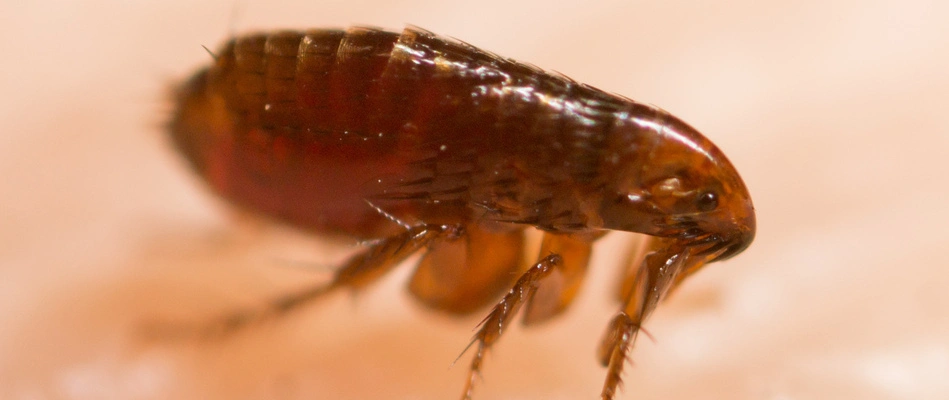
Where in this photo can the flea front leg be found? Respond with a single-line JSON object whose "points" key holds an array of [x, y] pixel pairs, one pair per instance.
{"points": [[614, 351], [645, 286]]}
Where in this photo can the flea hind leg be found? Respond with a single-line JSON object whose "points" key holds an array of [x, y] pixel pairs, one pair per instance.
{"points": [[359, 271]]}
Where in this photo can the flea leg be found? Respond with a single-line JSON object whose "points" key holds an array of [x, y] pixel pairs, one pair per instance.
{"points": [[556, 292], [501, 316], [614, 350], [644, 287], [359, 271], [466, 275]]}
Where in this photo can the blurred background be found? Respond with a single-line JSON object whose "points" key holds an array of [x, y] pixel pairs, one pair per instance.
{"points": [[834, 112]]}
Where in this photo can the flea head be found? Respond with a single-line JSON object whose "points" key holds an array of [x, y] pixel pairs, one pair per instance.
{"points": [[671, 181]]}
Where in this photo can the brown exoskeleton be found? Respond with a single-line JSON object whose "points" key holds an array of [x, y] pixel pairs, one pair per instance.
{"points": [[432, 145]]}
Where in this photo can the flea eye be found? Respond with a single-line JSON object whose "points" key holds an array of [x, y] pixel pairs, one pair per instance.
{"points": [[707, 201]]}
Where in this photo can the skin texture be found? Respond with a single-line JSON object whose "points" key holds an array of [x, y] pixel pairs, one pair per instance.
{"points": [[429, 144]]}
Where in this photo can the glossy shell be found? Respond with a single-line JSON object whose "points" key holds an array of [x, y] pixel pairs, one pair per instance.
{"points": [[433, 145]]}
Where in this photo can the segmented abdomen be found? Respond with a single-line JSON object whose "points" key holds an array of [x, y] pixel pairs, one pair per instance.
{"points": [[411, 118]]}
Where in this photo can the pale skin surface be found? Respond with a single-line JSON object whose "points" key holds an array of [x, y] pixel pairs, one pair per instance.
{"points": [[834, 115]]}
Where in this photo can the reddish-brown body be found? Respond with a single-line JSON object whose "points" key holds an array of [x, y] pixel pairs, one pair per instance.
{"points": [[433, 145]]}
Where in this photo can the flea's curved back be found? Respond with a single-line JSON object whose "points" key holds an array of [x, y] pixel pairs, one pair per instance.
{"points": [[279, 116], [323, 128]]}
